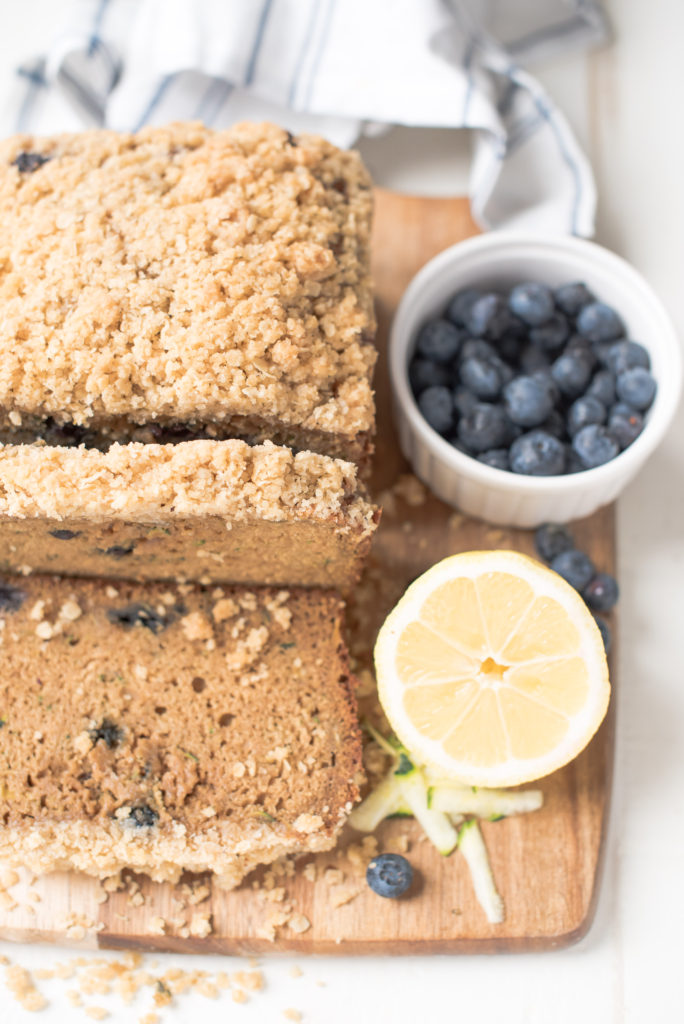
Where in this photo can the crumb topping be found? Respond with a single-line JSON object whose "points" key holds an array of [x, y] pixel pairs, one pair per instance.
{"points": [[186, 273]]}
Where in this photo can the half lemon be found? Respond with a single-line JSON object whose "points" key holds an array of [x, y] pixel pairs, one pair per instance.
{"points": [[492, 669]]}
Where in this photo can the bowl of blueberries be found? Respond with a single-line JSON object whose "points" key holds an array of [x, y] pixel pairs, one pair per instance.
{"points": [[532, 377]]}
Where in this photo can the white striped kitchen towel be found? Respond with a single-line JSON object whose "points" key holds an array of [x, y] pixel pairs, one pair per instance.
{"points": [[339, 68]]}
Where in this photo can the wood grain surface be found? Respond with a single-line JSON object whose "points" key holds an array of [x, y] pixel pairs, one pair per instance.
{"points": [[547, 865]]}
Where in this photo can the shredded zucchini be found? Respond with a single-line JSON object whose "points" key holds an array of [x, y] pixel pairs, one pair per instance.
{"points": [[471, 844]]}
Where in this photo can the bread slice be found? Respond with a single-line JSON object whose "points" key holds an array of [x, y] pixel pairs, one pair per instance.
{"points": [[165, 729], [215, 511], [184, 282]]}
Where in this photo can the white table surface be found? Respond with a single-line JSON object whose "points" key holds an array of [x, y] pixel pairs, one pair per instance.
{"points": [[629, 966]]}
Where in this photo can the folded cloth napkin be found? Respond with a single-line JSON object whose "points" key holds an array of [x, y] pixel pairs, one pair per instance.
{"points": [[337, 68]]}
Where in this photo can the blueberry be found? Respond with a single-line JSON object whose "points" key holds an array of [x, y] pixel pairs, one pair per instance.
{"points": [[599, 322], [138, 614], [117, 550], [546, 380], [636, 387], [423, 373], [594, 445], [527, 401], [604, 630], [532, 302], [582, 349], [482, 377], [439, 341], [625, 355], [459, 307], [602, 386], [509, 346], [552, 539], [601, 592], [554, 424], [575, 567], [65, 534], [487, 426], [108, 731], [537, 454], [11, 598], [497, 458], [583, 411], [389, 875], [464, 401], [625, 424], [142, 816], [27, 163], [490, 318], [573, 463], [572, 373], [572, 297], [477, 348], [437, 407], [533, 358], [552, 335]]}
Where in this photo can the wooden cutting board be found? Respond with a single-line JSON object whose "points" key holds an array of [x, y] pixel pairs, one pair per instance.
{"points": [[547, 865]]}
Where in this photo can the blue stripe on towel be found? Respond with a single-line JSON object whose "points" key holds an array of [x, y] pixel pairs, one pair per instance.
{"points": [[258, 39], [567, 157], [313, 20], [95, 39], [35, 75], [321, 48], [212, 101], [155, 100]]}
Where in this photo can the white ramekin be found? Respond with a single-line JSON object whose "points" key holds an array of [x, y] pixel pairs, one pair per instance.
{"points": [[500, 260]]}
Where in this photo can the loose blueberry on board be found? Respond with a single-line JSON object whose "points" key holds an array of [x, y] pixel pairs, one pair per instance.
{"points": [[482, 377], [527, 401], [551, 539], [551, 335], [625, 424], [604, 630], [572, 297], [487, 426], [571, 372], [599, 322], [594, 445], [389, 875], [602, 386], [497, 458], [601, 593], [438, 341], [625, 355], [459, 307], [636, 387], [531, 302], [583, 411], [575, 567], [437, 407], [423, 373], [538, 454]]}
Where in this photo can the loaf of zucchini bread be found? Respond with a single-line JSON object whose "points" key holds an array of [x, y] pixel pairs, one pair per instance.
{"points": [[214, 511], [184, 283], [169, 728]]}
